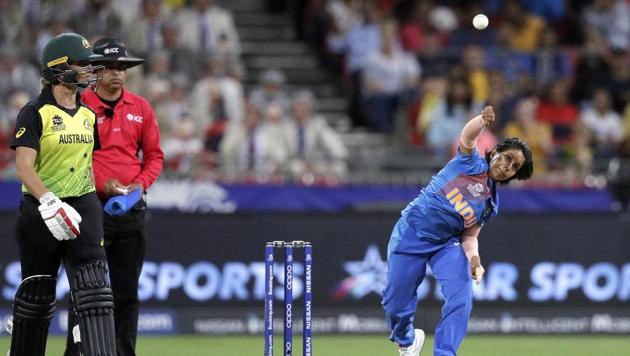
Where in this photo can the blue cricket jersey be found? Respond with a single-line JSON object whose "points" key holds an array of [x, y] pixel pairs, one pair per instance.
{"points": [[459, 196]]}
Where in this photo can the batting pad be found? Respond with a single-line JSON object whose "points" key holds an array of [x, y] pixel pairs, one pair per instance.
{"points": [[94, 306], [33, 309]]}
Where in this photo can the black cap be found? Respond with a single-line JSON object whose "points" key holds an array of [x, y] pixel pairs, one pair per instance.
{"points": [[113, 50]]}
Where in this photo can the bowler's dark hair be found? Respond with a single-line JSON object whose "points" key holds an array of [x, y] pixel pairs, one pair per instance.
{"points": [[527, 169]]}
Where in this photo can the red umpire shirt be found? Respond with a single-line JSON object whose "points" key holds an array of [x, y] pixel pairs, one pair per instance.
{"points": [[133, 127]]}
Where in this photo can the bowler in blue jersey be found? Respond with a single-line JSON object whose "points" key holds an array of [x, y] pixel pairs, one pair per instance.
{"points": [[440, 227]]}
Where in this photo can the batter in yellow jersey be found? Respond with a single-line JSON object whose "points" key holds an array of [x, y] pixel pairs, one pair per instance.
{"points": [[60, 219], [64, 140]]}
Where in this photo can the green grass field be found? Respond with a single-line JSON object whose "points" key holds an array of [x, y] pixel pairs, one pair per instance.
{"points": [[371, 345]]}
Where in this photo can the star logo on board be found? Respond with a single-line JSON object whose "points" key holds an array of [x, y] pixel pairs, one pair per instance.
{"points": [[366, 276]]}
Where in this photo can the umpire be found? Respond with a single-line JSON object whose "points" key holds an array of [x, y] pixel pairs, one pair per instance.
{"points": [[60, 217], [126, 126]]}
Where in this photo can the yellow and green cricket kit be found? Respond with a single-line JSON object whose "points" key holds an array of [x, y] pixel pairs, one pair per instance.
{"points": [[64, 140]]}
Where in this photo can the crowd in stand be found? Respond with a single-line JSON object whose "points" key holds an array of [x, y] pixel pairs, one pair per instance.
{"points": [[557, 75], [209, 126], [557, 72]]}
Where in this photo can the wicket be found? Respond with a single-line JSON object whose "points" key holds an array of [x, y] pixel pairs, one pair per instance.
{"points": [[288, 296]]}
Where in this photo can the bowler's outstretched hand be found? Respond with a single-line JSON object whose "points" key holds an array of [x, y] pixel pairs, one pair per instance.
{"points": [[487, 116]]}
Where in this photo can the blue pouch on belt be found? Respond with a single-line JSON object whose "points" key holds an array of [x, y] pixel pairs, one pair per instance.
{"points": [[121, 204]]}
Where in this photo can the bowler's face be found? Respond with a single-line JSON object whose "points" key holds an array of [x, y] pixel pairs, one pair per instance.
{"points": [[504, 165]]}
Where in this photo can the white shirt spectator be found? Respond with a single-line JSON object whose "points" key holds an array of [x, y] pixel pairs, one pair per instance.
{"points": [[357, 44], [144, 33], [258, 150], [254, 145], [345, 14], [390, 74], [212, 30], [230, 91], [314, 147], [606, 128], [612, 19], [271, 91]]}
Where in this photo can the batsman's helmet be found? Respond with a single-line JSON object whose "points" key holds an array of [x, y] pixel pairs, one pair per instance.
{"points": [[60, 52]]}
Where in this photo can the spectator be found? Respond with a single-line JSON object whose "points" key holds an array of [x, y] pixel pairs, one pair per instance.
{"points": [[556, 110], [388, 74], [11, 22], [97, 18], [504, 96], [526, 27], [217, 100], [144, 33], [537, 134], [449, 117], [54, 26], [591, 69], [550, 63], [442, 19], [171, 107], [356, 45], [8, 115], [413, 31], [255, 145], [181, 59], [17, 74], [603, 124], [344, 15], [433, 89], [314, 147], [551, 10], [182, 147], [611, 19], [208, 28], [271, 90], [159, 70], [512, 64], [473, 59], [618, 82]]}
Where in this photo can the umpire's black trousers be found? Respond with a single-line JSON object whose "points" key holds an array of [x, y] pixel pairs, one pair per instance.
{"points": [[125, 240]]}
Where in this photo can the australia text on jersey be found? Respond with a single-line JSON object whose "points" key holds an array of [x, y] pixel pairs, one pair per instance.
{"points": [[75, 138]]}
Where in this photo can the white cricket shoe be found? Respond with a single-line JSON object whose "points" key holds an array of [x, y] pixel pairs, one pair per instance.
{"points": [[415, 348]]}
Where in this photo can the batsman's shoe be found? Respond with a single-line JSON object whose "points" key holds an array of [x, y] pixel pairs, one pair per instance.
{"points": [[415, 348]]}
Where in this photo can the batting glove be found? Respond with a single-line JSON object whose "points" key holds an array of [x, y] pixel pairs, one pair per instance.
{"points": [[60, 218]]}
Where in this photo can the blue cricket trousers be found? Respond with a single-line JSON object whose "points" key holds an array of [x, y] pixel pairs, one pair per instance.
{"points": [[407, 259]]}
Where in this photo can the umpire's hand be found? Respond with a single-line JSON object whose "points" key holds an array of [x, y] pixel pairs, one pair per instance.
{"points": [[113, 187]]}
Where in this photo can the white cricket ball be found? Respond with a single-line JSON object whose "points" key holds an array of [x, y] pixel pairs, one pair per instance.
{"points": [[480, 21]]}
